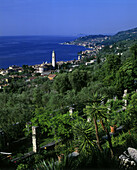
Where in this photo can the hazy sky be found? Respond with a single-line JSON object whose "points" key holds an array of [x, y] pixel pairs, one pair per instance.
{"points": [[66, 17]]}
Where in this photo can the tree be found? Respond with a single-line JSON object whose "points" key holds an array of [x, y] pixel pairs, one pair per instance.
{"points": [[37, 97], [131, 111], [125, 78], [56, 101], [54, 122], [78, 79], [15, 111], [115, 116], [133, 50], [83, 136], [112, 64], [61, 83], [94, 112]]}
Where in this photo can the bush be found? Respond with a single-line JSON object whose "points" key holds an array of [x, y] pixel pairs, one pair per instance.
{"points": [[123, 141], [38, 158], [22, 167]]}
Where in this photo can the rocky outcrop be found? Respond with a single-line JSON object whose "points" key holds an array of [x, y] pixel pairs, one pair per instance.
{"points": [[128, 159], [133, 153]]}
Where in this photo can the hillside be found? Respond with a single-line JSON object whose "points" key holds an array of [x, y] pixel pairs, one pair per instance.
{"points": [[66, 111], [122, 35], [106, 39], [91, 37]]}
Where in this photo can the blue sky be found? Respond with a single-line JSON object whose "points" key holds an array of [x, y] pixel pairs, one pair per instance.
{"points": [[66, 17]]}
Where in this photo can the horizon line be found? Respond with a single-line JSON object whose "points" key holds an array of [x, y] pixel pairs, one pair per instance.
{"points": [[78, 35]]}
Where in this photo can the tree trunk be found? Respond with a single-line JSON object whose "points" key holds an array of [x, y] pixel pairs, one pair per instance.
{"points": [[102, 124], [109, 141], [109, 138], [110, 144], [97, 136]]}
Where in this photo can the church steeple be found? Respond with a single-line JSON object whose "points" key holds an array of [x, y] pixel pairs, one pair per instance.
{"points": [[53, 59]]}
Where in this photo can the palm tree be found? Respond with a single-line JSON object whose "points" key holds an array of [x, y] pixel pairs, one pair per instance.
{"points": [[105, 128], [96, 110], [93, 110], [83, 135]]}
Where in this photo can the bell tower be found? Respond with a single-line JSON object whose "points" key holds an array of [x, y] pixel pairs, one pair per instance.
{"points": [[53, 59]]}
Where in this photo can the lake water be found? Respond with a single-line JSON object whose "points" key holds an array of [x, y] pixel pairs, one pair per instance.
{"points": [[31, 50]]}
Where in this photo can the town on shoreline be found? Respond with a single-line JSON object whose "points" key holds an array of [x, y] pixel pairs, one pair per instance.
{"points": [[15, 72]]}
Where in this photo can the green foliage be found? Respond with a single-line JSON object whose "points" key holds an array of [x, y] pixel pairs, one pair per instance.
{"points": [[37, 97], [22, 167], [122, 35], [61, 83], [53, 164], [15, 111], [133, 50], [54, 123], [92, 160], [119, 140], [46, 102], [123, 141], [16, 86], [95, 109], [115, 115], [56, 101], [78, 79], [60, 149], [84, 136], [27, 69], [112, 64], [131, 111], [38, 157], [124, 77]]}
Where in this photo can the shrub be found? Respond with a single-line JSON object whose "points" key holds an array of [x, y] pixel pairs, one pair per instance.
{"points": [[22, 167]]}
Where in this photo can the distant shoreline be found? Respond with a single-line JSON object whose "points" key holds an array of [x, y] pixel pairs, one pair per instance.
{"points": [[30, 51]]}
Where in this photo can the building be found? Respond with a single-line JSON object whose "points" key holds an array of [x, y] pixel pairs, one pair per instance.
{"points": [[79, 57], [14, 67], [91, 62], [53, 59], [41, 69], [51, 76]]}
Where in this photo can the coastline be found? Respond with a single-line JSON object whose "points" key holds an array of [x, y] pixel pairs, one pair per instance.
{"points": [[31, 52]]}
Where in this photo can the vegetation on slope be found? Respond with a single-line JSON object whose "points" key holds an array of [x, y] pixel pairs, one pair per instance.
{"points": [[87, 89]]}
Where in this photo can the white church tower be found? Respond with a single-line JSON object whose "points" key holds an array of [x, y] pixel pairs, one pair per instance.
{"points": [[53, 59]]}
